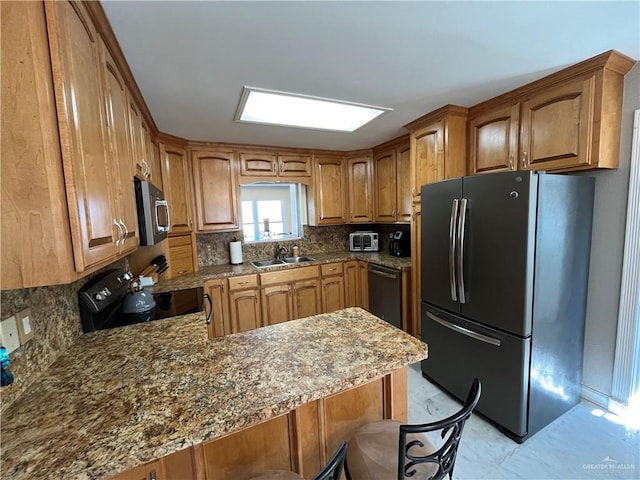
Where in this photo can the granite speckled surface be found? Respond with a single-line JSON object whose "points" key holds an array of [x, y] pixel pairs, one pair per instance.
{"points": [[198, 278], [119, 398]]}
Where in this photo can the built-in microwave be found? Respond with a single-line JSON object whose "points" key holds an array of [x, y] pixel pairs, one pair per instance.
{"points": [[363, 242], [153, 213]]}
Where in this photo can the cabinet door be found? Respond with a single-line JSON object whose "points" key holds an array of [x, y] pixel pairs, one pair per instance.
{"points": [[117, 113], [150, 471], [154, 174], [351, 287], [294, 165], [216, 191], [180, 255], [332, 294], [136, 138], [79, 101], [220, 324], [384, 173], [360, 184], [330, 194], [245, 310], [428, 143], [306, 298], [403, 182], [257, 164], [556, 126], [363, 284], [154, 162], [493, 140], [177, 188], [277, 304]]}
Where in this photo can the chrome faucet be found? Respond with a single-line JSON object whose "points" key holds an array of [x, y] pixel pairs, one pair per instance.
{"points": [[281, 252]]}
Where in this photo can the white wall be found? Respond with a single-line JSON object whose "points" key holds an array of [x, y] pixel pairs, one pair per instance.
{"points": [[606, 254]]}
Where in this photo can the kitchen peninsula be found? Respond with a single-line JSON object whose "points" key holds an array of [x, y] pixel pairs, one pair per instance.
{"points": [[278, 397]]}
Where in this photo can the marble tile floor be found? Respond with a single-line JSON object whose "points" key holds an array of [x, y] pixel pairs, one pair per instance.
{"points": [[582, 444]]}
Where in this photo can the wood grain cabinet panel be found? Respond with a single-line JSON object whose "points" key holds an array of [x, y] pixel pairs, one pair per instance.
{"points": [[220, 324], [180, 255], [117, 114], [176, 176], [493, 140], [149, 471], [327, 197], [360, 183], [258, 164], [363, 284], [79, 99], [245, 303], [274, 166], [332, 294], [384, 167], [556, 126], [351, 284], [216, 191], [306, 298], [392, 182], [277, 304], [296, 166]]}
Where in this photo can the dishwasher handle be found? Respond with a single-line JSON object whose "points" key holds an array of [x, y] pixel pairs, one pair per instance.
{"points": [[384, 272]]}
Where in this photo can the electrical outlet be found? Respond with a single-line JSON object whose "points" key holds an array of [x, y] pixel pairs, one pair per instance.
{"points": [[9, 333], [25, 329]]}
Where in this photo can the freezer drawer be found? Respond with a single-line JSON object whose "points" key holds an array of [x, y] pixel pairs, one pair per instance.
{"points": [[460, 350]]}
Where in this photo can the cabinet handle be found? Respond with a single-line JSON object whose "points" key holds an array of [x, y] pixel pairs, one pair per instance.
{"points": [[183, 271], [413, 191], [511, 162], [126, 231], [525, 160], [115, 222], [281, 168], [242, 283], [152, 475], [273, 167], [393, 214]]}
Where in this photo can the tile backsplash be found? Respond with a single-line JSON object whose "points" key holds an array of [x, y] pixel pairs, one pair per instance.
{"points": [[55, 320], [213, 248]]}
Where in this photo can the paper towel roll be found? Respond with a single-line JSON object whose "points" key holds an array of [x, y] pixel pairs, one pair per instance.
{"points": [[235, 252]]}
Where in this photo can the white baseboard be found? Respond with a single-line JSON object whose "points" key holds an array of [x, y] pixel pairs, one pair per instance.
{"points": [[594, 396]]}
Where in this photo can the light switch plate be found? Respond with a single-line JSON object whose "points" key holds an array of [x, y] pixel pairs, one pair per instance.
{"points": [[25, 325], [9, 333]]}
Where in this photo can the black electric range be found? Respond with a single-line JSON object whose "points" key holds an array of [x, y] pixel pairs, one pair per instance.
{"points": [[101, 298]]}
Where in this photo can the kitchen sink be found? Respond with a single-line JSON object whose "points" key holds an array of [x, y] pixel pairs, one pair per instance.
{"points": [[267, 263], [299, 259]]}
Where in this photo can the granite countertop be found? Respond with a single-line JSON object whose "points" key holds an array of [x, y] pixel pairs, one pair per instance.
{"points": [[122, 397], [198, 278]]}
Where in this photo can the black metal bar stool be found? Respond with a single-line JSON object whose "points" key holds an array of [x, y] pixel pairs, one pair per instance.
{"points": [[331, 471], [389, 450]]}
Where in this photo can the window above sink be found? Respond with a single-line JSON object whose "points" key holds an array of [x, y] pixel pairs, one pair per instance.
{"points": [[272, 212]]}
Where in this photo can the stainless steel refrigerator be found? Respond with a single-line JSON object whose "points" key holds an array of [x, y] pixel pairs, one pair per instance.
{"points": [[505, 262]]}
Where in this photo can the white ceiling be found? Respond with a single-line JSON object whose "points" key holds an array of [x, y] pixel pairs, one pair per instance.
{"points": [[191, 59]]}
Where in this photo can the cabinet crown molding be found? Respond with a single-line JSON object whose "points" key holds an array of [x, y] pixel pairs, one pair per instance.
{"points": [[447, 110]]}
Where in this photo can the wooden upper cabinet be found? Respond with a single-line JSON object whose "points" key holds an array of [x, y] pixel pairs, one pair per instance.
{"points": [[117, 114], [294, 166], [567, 121], [493, 140], [327, 199], [360, 184], [79, 100], [384, 168], [274, 166], [216, 190], [438, 147], [392, 180], [403, 182], [176, 176], [556, 126]]}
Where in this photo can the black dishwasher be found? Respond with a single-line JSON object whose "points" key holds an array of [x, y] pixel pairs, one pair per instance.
{"points": [[385, 294]]}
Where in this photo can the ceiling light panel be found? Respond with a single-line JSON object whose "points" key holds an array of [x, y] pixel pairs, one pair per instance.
{"points": [[293, 110]]}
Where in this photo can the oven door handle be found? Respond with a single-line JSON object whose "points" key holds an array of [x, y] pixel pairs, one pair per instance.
{"points": [[210, 313]]}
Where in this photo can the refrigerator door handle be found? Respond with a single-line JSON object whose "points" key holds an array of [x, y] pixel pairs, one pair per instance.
{"points": [[462, 218], [452, 249], [464, 331]]}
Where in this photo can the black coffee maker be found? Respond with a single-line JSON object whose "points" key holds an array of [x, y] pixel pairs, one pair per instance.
{"points": [[399, 243]]}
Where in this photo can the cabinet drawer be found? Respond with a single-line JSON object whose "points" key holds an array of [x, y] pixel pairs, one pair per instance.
{"points": [[331, 269], [180, 241], [245, 281], [289, 275]]}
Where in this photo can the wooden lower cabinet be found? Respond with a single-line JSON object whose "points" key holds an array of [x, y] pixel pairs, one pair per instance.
{"points": [[304, 439], [277, 304], [289, 294], [351, 284], [363, 284], [332, 285], [217, 291], [306, 298], [177, 466], [180, 255], [244, 303]]}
